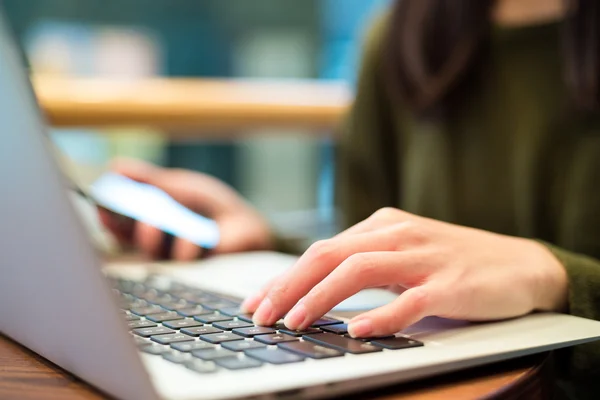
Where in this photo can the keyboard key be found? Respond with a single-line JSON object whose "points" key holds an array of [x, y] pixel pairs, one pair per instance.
{"points": [[165, 316], [139, 341], [325, 321], [370, 339], [397, 343], [253, 331], [235, 363], [200, 366], [275, 338], [274, 356], [193, 311], [215, 305], [173, 338], [131, 317], [229, 325], [200, 330], [311, 350], [231, 311], [142, 323], [216, 338], [245, 317], [177, 357], [339, 329], [174, 305], [212, 354], [146, 332], [210, 318], [307, 331], [182, 323], [278, 326], [341, 343], [241, 345], [155, 349], [187, 347], [147, 310]]}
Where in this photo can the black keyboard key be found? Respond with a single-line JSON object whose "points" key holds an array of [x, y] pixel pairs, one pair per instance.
{"points": [[242, 345], [230, 311], [172, 338], [341, 343], [200, 330], [200, 366], [370, 339], [210, 318], [177, 357], [278, 326], [275, 338], [229, 325], [154, 349], [245, 317], [165, 316], [212, 354], [173, 305], [187, 347], [182, 323], [142, 323], [131, 317], [253, 331], [311, 350], [274, 356], [235, 363], [307, 331], [193, 311], [325, 321], [339, 329], [216, 338], [146, 332], [397, 343], [147, 310]]}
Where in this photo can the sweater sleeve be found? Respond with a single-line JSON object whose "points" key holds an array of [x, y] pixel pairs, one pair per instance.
{"points": [[577, 246]]}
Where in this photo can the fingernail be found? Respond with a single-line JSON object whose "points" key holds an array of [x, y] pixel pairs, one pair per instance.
{"points": [[264, 313], [296, 317], [360, 328], [251, 303]]}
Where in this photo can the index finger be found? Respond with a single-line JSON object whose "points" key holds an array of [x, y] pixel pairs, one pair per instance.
{"points": [[318, 262]]}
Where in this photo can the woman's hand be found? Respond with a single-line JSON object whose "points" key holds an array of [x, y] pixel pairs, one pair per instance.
{"points": [[241, 227], [438, 268]]}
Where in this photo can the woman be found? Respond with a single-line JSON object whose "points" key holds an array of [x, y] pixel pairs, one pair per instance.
{"points": [[466, 174]]}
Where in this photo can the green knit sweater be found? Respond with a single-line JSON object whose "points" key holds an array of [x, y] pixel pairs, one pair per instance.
{"points": [[514, 159]]}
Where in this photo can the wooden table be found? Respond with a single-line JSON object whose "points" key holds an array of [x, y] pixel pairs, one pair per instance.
{"points": [[24, 375], [192, 106]]}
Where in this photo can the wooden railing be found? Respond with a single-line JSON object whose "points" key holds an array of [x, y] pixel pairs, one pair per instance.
{"points": [[192, 106]]}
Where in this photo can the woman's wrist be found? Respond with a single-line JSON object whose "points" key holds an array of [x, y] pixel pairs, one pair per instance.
{"points": [[550, 283]]}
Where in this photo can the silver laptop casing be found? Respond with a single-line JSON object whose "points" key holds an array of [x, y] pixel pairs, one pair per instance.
{"points": [[54, 300]]}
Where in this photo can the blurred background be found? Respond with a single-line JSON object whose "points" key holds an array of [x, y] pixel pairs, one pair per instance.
{"points": [[286, 173]]}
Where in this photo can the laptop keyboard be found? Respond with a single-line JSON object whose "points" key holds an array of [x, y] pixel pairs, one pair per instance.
{"points": [[206, 332]]}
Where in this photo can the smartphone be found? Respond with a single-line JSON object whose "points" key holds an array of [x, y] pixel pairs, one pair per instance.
{"points": [[148, 204]]}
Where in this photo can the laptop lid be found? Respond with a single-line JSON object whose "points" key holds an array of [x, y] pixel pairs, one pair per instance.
{"points": [[53, 298]]}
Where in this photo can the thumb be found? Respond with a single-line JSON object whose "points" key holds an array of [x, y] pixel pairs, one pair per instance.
{"points": [[410, 307]]}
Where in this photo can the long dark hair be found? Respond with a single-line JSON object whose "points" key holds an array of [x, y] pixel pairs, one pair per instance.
{"points": [[432, 45]]}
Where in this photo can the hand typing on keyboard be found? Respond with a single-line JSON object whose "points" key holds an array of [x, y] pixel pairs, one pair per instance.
{"points": [[437, 268]]}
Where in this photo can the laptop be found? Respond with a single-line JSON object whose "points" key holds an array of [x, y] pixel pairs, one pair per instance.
{"points": [[166, 331]]}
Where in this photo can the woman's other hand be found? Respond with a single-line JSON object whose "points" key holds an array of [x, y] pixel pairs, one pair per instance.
{"points": [[437, 268], [241, 227]]}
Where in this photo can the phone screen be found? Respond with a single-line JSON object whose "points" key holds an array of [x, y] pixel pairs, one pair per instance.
{"points": [[148, 204]]}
